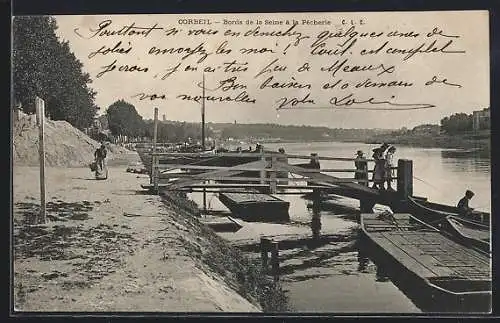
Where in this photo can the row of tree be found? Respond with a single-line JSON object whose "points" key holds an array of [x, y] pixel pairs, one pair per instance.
{"points": [[460, 123], [44, 66], [292, 132], [123, 119]]}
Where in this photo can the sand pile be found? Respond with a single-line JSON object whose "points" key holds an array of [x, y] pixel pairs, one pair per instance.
{"points": [[65, 146]]}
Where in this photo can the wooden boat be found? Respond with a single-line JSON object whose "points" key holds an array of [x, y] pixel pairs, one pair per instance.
{"points": [[222, 224], [431, 212], [468, 232], [254, 206], [439, 274]]}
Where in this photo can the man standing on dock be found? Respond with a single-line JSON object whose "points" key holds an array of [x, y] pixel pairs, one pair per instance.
{"points": [[361, 168], [389, 164]]}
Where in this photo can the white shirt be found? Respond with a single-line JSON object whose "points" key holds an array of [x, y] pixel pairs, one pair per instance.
{"points": [[389, 157]]}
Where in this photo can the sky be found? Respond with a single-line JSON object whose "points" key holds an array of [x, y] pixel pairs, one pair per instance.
{"points": [[467, 73]]}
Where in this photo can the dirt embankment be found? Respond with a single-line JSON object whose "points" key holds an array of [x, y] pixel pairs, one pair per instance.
{"points": [[108, 246], [65, 146]]}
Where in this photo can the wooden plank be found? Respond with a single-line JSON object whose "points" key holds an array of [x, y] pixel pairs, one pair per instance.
{"points": [[187, 190], [227, 171], [250, 197], [451, 253], [174, 186], [241, 167], [255, 179], [326, 179], [255, 154], [399, 255], [425, 260]]}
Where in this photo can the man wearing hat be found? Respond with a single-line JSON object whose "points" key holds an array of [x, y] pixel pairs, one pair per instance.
{"points": [[378, 176], [361, 168]]}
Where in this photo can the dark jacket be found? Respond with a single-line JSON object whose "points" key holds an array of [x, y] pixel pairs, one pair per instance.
{"points": [[463, 204], [100, 153]]}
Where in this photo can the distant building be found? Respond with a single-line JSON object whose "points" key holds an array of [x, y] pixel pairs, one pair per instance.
{"points": [[481, 119], [164, 118]]}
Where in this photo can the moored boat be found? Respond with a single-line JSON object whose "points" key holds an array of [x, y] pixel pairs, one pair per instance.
{"points": [[470, 233], [438, 273], [430, 212], [222, 224], [253, 206]]}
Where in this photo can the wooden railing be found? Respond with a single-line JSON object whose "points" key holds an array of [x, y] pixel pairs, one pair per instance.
{"points": [[269, 165]]}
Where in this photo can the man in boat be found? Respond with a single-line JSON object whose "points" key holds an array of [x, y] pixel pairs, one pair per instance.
{"points": [[361, 168], [463, 204]]}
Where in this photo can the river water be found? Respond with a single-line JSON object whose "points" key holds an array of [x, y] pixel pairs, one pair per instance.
{"points": [[337, 276]]}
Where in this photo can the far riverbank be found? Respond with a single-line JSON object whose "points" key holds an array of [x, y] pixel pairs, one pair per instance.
{"points": [[479, 144]]}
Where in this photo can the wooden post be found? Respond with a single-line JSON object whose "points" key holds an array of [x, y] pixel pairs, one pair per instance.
{"points": [[273, 183], [263, 171], [154, 168], [204, 198], [405, 178], [275, 262], [40, 115], [203, 115], [264, 250]]}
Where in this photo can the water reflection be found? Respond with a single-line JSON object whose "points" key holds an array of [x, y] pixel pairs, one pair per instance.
{"points": [[363, 262], [316, 220], [381, 275], [466, 154]]}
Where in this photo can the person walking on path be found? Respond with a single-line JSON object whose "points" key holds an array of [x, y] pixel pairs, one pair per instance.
{"points": [[101, 171], [361, 168]]}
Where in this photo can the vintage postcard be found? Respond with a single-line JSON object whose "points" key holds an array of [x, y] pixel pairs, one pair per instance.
{"points": [[312, 162]]}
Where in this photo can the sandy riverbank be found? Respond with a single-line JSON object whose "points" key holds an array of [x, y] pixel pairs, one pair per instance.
{"points": [[108, 246]]}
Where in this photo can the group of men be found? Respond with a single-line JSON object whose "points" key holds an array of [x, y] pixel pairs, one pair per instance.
{"points": [[383, 172]]}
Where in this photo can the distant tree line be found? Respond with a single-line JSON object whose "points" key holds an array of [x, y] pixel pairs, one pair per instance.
{"points": [[459, 123], [292, 132], [44, 66], [123, 119]]}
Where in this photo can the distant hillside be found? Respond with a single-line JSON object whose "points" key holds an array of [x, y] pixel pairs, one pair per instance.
{"points": [[292, 132]]}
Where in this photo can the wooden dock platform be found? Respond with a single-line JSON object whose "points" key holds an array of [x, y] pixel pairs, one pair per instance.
{"points": [[253, 206]]}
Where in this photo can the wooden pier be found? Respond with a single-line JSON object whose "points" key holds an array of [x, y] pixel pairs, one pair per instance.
{"points": [[221, 179]]}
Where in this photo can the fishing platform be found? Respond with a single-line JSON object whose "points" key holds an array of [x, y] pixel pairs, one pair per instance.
{"points": [[270, 173]]}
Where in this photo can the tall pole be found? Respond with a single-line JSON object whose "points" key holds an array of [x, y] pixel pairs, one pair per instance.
{"points": [[203, 138], [40, 114], [203, 116], [154, 170]]}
